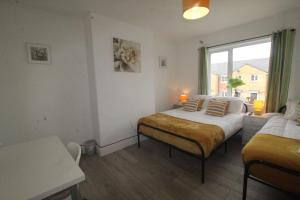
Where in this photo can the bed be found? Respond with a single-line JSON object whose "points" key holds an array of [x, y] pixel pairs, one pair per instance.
{"points": [[272, 156], [195, 133]]}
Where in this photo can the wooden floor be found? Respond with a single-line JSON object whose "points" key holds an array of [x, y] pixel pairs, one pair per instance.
{"points": [[148, 173]]}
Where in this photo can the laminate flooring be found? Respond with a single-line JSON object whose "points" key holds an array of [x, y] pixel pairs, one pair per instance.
{"points": [[148, 173]]}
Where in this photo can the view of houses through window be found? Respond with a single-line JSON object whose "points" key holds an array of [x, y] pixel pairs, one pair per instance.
{"points": [[248, 62]]}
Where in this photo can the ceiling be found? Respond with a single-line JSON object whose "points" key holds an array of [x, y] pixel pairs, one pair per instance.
{"points": [[165, 16]]}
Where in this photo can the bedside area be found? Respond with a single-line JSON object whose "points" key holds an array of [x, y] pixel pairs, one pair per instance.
{"points": [[252, 124]]}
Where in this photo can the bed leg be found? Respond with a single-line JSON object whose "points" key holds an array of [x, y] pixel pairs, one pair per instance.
{"points": [[170, 152], [246, 174], [225, 144], [138, 138], [203, 169]]}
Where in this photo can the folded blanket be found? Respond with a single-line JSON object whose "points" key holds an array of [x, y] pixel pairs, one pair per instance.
{"points": [[209, 136], [277, 150]]}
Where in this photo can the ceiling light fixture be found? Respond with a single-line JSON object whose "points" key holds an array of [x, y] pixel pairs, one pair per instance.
{"points": [[195, 9]]}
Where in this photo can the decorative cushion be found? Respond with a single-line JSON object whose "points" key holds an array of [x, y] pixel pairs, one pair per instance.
{"points": [[217, 108], [193, 105], [203, 97], [235, 106], [292, 110]]}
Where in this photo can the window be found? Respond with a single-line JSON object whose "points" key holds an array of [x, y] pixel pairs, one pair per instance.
{"points": [[224, 94], [253, 96], [247, 61], [218, 69], [254, 77], [224, 78]]}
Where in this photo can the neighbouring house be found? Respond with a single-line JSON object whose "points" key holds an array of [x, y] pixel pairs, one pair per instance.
{"points": [[254, 73]]}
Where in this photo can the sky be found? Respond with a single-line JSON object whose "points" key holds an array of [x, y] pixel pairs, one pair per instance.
{"points": [[243, 53]]}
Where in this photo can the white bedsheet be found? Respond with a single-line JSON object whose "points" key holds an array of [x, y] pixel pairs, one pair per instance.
{"points": [[230, 123], [281, 127]]}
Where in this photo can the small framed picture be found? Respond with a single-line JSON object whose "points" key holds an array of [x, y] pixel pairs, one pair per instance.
{"points": [[38, 53], [163, 62]]}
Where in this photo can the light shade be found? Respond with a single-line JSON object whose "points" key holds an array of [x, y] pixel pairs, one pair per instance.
{"points": [[183, 98], [258, 107], [195, 9]]}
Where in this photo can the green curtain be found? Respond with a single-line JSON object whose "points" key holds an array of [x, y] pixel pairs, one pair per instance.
{"points": [[280, 69], [203, 63]]}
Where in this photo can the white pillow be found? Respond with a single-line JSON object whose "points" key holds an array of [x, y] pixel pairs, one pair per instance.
{"points": [[205, 97], [291, 112], [201, 96], [235, 106]]}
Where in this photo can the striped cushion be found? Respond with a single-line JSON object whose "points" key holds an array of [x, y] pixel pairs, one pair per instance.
{"points": [[193, 105], [217, 108]]}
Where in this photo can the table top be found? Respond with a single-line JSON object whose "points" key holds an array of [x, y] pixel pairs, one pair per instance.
{"points": [[37, 169]]}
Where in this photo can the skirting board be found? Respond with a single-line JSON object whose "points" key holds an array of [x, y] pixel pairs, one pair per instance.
{"points": [[117, 146]]}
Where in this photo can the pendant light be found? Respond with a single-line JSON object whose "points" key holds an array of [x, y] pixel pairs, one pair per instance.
{"points": [[195, 9]]}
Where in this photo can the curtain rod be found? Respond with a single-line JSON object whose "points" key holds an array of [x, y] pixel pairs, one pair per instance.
{"points": [[244, 40]]}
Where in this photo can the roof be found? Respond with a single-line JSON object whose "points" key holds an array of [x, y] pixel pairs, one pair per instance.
{"points": [[260, 64]]}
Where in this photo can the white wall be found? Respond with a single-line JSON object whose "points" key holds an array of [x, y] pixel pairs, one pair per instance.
{"points": [[165, 80], [123, 97], [38, 100], [187, 68]]}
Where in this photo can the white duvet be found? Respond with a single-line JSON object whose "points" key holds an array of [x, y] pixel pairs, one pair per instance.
{"points": [[281, 127], [230, 123]]}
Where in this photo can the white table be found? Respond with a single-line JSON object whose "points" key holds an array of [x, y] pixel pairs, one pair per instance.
{"points": [[37, 169]]}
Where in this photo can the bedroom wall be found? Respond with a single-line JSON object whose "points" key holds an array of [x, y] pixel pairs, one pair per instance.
{"points": [[187, 68], [40, 100], [123, 97], [165, 80]]}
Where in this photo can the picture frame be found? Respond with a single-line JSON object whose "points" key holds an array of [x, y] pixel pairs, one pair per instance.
{"points": [[38, 53], [163, 62], [127, 56]]}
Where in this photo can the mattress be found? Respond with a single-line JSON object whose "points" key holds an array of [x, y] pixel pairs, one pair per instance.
{"points": [[230, 123], [278, 143], [279, 126]]}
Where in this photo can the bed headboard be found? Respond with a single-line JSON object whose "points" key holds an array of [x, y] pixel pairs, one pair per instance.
{"points": [[282, 109], [245, 108]]}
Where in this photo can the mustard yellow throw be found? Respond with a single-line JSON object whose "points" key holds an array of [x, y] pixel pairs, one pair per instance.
{"points": [[209, 136], [276, 150]]}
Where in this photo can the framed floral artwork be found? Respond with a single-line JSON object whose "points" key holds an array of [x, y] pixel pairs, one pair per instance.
{"points": [[127, 56]]}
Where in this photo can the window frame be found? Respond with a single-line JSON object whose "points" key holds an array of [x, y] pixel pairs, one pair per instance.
{"points": [[229, 48]]}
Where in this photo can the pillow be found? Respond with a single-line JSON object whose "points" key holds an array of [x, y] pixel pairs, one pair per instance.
{"points": [[291, 112], [217, 107], [193, 105], [201, 96], [235, 106], [204, 97]]}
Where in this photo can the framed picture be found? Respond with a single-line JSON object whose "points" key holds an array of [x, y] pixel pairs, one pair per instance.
{"points": [[163, 62], [127, 56], [38, 53]]}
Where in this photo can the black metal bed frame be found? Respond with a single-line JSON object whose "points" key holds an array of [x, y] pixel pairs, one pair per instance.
{"points": [[201, 157], [247, 174]]}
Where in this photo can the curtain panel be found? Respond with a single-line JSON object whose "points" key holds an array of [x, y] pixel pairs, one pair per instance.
{"points": [[280, 69], [203, 76]]}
